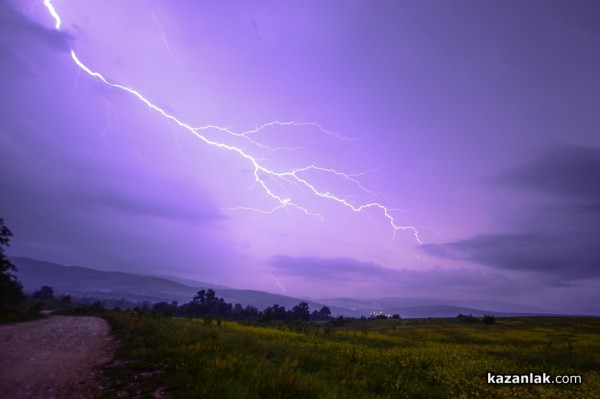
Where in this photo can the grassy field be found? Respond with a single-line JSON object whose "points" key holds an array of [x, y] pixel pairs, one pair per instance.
{"points": [[416, 358]]}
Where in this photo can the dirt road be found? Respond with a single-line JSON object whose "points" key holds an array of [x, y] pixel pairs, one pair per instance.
{"points": [[56, 357]]}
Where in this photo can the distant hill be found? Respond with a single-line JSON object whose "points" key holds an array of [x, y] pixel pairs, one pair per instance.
{"points": [[589, 311], [83, 281], [190, 282], [434, 307]]}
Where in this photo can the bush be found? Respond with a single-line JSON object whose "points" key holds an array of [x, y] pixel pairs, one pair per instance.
{"points": [[45, 293], [467, 318]]}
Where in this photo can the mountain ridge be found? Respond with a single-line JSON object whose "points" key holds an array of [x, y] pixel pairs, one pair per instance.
{"points": [[82, 281], [88, 282]]}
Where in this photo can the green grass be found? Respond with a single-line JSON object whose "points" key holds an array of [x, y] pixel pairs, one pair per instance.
{"points": [[426, 358]]}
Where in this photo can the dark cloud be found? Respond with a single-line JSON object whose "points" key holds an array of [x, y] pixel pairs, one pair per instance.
{"points": [[566, 172], [11, 63], [133, 202], [557, 235], [17, 28], [19, 35], [134, 190], [315, 268], [511, 251], [93, 183], [350, 272], [562, 258]]}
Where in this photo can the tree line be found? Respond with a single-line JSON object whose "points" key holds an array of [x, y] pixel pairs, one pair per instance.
{"points": [[206, 304]]}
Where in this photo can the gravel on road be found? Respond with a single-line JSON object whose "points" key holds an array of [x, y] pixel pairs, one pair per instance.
{"points": [[54, 357]]}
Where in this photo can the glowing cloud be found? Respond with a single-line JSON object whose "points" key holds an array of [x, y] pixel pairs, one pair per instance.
{"points": [[264, 176]]}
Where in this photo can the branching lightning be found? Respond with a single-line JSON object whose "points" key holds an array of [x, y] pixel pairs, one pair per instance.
{"points": [[264, 177], [164, 39]]}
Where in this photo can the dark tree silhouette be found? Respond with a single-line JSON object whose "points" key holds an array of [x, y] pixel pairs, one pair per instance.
{"points": [[324, 313], [11, 291], [165, 308], [301, 311], [211, 297], [279, 312], [267, 315], [199, 298], [207, 303], [251, 312], [45, 293]]}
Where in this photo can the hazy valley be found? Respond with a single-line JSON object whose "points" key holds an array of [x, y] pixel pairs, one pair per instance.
{"points": [[79, 281]]}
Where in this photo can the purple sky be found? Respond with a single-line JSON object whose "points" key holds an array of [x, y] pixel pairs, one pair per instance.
{"points": [[474, 123]]}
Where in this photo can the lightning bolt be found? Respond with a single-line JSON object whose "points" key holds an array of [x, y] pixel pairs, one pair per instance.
{"points": [[164, 39], [262, 174], [109, 109], [53, 13], [279, 284]]}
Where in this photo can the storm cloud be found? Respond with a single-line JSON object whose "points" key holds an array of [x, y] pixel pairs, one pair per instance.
{"points": [[18, 32], [351, 274], [557, 234], [340, 269], [16, 25], [564, 173]]}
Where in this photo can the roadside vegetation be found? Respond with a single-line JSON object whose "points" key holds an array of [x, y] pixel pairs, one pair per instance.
{"points": [[12, 298]]}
